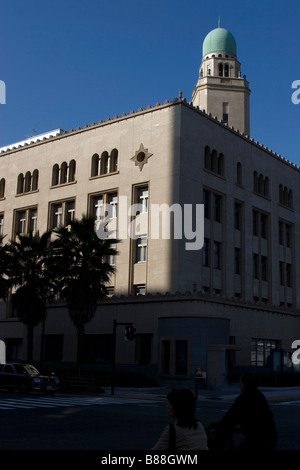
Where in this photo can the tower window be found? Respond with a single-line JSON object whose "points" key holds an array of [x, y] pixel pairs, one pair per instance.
{"points": [[225, 112]]}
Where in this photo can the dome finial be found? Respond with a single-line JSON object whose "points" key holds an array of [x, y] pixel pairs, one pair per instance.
{"points": [[219, 22]]}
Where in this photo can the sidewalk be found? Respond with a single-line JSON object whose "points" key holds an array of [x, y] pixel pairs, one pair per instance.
{"points": [[225, 392]]}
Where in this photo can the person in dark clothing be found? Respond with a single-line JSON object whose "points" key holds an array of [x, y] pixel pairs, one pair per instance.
{"points": [[250, 415]]}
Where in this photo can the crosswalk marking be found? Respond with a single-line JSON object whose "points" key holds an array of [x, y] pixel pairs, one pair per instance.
{"points": [[294, 402], [57, 401]]}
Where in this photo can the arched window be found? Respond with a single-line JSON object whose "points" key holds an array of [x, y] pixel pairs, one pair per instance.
{"points": [[220, 70], [20, 183], [226, 70], [72, 170], [221, 164], [104, 163], [27, 184], [239, 173], [55, 174], [290, 199], [114, 160], [214, 161], [207, 161], [285, 196], [255, 182], [63, 172], [261, 184], [35, 180], [95, 170], [280, 194], [266, 186], [2, 188]]}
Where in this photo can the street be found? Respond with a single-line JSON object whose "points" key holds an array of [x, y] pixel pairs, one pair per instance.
{"points": [[104, 423]]}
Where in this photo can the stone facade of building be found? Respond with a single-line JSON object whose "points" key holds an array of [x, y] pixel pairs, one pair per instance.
{"points": [[217, 293]]}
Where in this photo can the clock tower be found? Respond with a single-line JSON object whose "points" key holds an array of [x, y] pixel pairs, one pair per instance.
{"points": [[221, 90]]}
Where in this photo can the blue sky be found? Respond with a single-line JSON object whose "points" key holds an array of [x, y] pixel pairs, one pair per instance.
{"points": [[67, 63]]}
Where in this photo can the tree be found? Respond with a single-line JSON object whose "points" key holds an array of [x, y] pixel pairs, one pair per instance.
{"points": [[32, 282], [80, 258]]}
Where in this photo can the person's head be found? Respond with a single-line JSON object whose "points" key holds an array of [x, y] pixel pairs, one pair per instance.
{"points": [[247, 381], [182, 405]]}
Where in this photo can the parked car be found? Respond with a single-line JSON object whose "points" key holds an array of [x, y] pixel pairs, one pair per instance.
{"points": [[25, 378]]}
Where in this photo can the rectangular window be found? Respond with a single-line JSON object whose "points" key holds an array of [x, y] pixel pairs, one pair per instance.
{"points": [[98, 348], [261, 350], [281, 233], [143, 348], [217, 255], [21, 222], [288, 235], [205, 252], [98, 205], [281, 273], [237, 216], [33, 220], [141, 254], [104, 205], [165, 356], [110, 291], [57, 215], [264, 265], [53, 347], [70, 212], [263, 225], [255, 266], [13, 349], [237, 261], [288, 275], [181, 357], [113, 202], [260, 224], [206, 202], [225, 109], [217, 208], [143, 199], [140, 289], [26, 221], [1, 223], [62, 213], [255, 223], [111, 259]]}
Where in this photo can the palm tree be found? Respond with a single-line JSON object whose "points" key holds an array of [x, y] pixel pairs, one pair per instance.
{"points": [[80, 258], [32, 282]]}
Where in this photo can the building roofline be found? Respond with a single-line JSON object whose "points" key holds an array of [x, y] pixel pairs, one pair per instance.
{"points": [[59, 133]]}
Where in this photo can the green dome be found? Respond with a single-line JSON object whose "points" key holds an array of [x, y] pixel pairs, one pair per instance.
{"points": [[219, 39]]}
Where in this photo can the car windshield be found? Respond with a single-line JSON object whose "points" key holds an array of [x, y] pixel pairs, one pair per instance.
{"points": [[28, 368]]}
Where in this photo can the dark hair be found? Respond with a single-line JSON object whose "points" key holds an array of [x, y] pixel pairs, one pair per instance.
{"points": [[248, 380], [184, 404]]}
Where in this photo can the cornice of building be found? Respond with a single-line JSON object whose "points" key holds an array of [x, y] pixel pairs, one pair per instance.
{"points": [[50, 137], [198, 296], [244, 137]]}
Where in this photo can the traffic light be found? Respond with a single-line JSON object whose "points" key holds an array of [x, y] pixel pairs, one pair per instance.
{"points": [[129, 333]]}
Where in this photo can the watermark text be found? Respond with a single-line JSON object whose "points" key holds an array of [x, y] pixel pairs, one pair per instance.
{"points": [[296, 354], [159, 221], [296, 94], [2, 92]]}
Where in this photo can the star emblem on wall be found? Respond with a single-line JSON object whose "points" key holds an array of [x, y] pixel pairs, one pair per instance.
{"points": [[141, 157]]}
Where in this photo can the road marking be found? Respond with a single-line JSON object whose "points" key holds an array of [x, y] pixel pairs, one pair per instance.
{"points": [[294, 402], [52, 402]]}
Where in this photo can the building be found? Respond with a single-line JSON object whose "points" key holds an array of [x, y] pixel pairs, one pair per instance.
{"points": [[229, 303]]}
